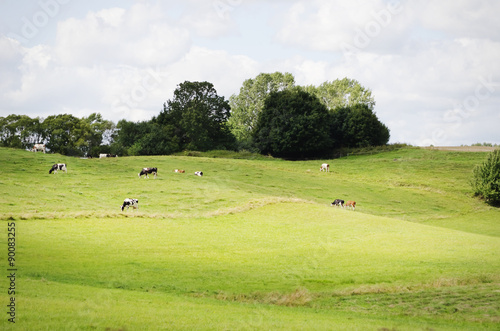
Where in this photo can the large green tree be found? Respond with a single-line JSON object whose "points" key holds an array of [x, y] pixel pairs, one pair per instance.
{"points": [[197, 117], [293, 124], [357, 126], [248, 104], [67, 134], [20, 131], [342, 93], [102, 133]]}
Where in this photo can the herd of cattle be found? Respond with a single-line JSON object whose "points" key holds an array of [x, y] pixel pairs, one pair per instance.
{"points": [[134, 203]]}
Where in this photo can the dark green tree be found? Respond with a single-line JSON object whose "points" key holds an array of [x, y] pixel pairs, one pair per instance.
{"points": [[248, 104], [10, 131], [159, 140], [358, 126], [293, 124], [486, 179], [144, 138], [197, 118], [127, 134]]}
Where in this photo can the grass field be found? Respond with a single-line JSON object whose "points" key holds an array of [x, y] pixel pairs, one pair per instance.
{"points": [[251, 245]]}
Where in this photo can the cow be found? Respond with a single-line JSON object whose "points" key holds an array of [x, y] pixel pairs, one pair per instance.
{"points": [[338, 203], [351, 204], [198, 173], [38, 147], [147, 171], [325, 167], [101, 156], [134, 203], [58, 166], [179, 171]]}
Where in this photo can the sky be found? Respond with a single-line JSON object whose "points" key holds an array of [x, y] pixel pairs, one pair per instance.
{"points": [[433, 66]]}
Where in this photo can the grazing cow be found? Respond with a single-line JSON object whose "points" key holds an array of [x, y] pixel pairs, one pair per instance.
{"points": [[101, 156], [179, 171], [134, 203], [38, 147], [147, 171], [338, 203], [198, 173], [58, 166], [351, 204], [325, 167]]}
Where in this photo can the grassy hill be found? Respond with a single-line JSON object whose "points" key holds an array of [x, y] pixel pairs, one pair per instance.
{"points": [[253, 244]]}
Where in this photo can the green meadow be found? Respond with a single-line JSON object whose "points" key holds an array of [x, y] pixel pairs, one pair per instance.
{"points": [[252, 245]]}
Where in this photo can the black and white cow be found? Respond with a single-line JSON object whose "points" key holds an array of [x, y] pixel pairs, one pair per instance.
{"points": [[101, 156], [338, 203], [147, 171], [134, 203], [38, 147], [198, 173], [58, 166]]}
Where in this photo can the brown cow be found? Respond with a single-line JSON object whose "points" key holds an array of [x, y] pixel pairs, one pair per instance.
{"points": [[350, 204]]}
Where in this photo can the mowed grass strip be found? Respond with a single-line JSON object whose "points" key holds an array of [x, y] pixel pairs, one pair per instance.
{"points": [[54, 306]]}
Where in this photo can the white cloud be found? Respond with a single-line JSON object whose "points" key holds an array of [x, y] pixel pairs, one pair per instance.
{"points": [[334, 26], [11, 54], [227, 72], [460, 18], [210, 19], [138, 36]]}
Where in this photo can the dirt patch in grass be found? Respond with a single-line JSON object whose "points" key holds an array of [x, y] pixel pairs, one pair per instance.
{"points": [[472, 303], [297, 298]]}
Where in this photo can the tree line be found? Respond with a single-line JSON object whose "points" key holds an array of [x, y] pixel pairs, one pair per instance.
{"points": [[270, 115], [64, 134]]}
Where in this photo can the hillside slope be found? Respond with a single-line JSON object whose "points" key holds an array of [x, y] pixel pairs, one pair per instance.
{"points": [[410, 184], [253, 244]]}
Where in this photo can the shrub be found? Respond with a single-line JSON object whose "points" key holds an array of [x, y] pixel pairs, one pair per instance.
{"points": [[486, 179]]}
